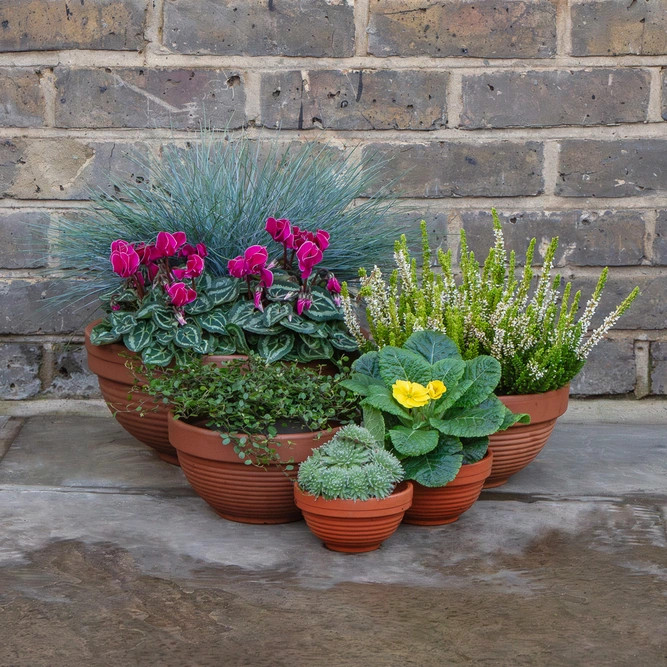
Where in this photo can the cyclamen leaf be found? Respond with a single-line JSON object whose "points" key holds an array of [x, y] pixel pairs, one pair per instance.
{"points": [[368, 364], [399, 364], [434, 346], [165, 319], [101, 335], [157, 356], [311, 349], [208, 343], [437, 467], [381, 399], [323, 307], [275, 312], [413, 442], [483, 375], [374, 422], [202, 304], [147, 310], [484, 419], [122, 322], [510, 418], [241, 312], [188, 336], [474, 449], [163, 338], [239, 339], [282, 290], [299, 324], [225, 346], [140, 337], [342, 341], [255, 324], [213, 321], [223, 289], [274, 348]]}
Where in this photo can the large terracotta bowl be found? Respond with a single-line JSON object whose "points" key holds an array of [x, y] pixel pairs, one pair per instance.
{"points": [[239, 492], [516, 447]]}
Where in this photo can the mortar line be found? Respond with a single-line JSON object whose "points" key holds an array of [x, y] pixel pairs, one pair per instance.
{"points": [[654, 110], [550, 165], [563, 28], [454, 99], [361, 15]]}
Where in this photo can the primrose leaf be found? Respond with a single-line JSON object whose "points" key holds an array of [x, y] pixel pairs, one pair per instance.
{"points": [[437, 467], [434, 346], [399, 364], [412, 441]]}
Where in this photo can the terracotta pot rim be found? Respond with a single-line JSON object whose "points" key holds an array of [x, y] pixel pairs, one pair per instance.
{"points": [[398, 501], [539, 395]]}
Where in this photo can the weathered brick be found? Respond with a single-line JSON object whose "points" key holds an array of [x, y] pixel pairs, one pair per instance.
{"points": [[565, 97], [71, 376], [143, 97], [586, 238], [65, 168], [624, 168], [484, 29], [659, 368], [256, 27], [618, 27], [19, 371], [25, 308], [42, 25], [24, 239], [610, 369], [448, 169], [355, 99], [660, 239], [22, 102]]}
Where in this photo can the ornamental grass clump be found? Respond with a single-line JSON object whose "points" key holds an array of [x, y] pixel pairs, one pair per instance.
{"points": [[429, 407], [249, 402], [351, 466], [529, 324]]}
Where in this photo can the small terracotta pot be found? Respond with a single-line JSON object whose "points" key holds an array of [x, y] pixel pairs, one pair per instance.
{"points": [[445, 504], [239, 492], [354, 526], [116, 381], [516, 447]]}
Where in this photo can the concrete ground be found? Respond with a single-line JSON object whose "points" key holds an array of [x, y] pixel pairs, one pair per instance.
{"points": [[107, 558]]}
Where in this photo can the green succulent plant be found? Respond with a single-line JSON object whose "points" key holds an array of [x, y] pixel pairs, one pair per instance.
{"points": [[351, 466]]}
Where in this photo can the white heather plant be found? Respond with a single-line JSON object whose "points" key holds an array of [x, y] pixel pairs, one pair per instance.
{"points": [[351, 466], [528, 325]]}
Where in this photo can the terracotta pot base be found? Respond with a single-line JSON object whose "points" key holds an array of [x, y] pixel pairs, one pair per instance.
{"points": [[444, 505]]}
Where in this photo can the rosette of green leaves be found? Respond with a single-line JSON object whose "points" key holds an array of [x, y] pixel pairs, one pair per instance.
{"points": [[432, 442], [220, 322]]}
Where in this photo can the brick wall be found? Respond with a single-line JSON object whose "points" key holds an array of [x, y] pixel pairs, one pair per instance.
{"points": [[551, 111]]}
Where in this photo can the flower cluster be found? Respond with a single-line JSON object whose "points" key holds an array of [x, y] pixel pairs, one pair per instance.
{"points": [[154, 263], [306, 247], [414, 395]]}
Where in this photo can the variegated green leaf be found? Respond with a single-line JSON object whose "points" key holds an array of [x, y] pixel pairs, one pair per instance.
{"points": [[147, 310], [223, 289], [255, 324], [122, 322], [213, 321], [241, 312], [208, 343], [102, 335], [275, 312], [437, 467], [140, 337], [188, 336], [157, 356], [163, 338], [310, 349], [299, 324], [126, 296], [165, 319], [343, 341], [274, 348], [225, 346], [239, 338], [281, 291], [323, 307], [202, 304], [374, 422]]}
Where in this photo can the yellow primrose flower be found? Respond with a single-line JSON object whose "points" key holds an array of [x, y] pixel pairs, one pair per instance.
{"points": [[435, 389], [410, 394]]}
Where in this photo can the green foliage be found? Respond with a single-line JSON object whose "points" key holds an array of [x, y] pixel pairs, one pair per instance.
{"points": [[219, 189], [529, 324], [352, 466], [450, 426], [249, 401]]}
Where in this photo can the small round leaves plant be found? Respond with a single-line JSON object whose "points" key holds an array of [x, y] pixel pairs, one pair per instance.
{"points": [[429, 407], [249, 402], [351, 466]]}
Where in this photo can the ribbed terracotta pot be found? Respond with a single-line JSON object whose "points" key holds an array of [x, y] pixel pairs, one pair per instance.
{"points": [[445, 504], [239, 492], [516, 447], [116, 381], [354, 526]]}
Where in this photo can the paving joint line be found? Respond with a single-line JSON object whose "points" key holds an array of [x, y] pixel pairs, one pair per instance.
{"points": [[8, 434]]}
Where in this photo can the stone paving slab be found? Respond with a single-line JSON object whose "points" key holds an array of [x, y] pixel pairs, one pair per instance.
{"points": [[86, 452]]}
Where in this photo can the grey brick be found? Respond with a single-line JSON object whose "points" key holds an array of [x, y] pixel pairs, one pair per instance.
{"points": [[448, 169], [142, 97], [586, 238], [659, 368], [624, 168], [355, 99], [660, 239], [71, 376], [65, 168], [321, 28], [618, 27], [42, 25], [564, 97], [610, 369], [19, 371], [22, 98], [24, 239], [441, 28], [26, 308]]}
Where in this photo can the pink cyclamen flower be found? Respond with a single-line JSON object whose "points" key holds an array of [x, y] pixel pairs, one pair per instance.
{"points": [[180, 294], [303, 303], [152, 271], [266, 277], [237, 267], [193, 268], [321, 239], [187, 250], [120, 245], [124, 259], [167, 245], [280, 230], [202, 250], [116, 306], [255, 257], [308, 255], [333, 285], [258, 299]]}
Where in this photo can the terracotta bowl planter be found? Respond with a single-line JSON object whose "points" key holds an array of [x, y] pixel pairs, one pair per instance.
{"points": [[239, 492], [445, 504], [516, 447], [354, 526], [116, 381]]}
